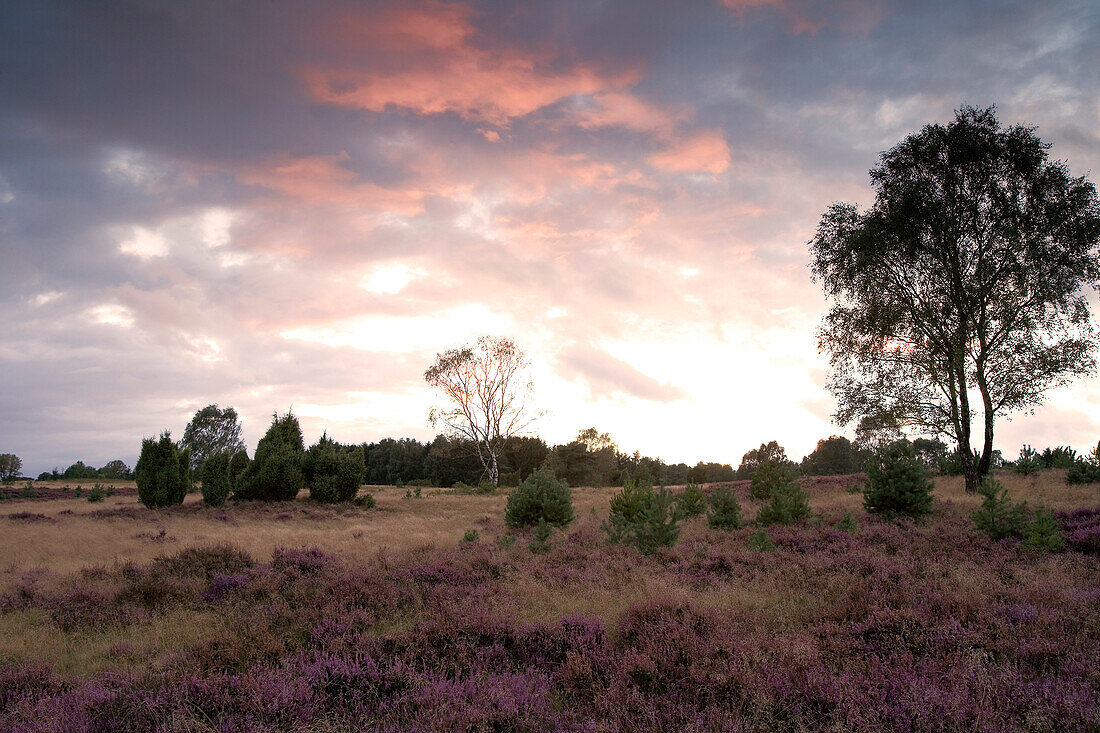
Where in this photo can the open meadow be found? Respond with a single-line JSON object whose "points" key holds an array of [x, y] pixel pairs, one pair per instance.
{"points": [[297, 616]]}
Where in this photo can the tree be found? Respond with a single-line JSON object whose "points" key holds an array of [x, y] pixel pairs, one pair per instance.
{"points": [[485, 390], [212, 431], [833, 455], [115, 469], [163, 472], [960, 291], [10, 466], [767, 452], [275, 473]]}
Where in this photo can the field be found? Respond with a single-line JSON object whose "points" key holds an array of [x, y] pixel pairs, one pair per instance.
{"points": [[296, 616]]}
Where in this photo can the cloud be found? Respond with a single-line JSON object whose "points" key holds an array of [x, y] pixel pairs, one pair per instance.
{"points": [[704, 152], [607, 376]]}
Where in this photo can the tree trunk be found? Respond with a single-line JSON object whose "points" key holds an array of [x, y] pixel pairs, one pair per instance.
{"points": [[494, 469]]}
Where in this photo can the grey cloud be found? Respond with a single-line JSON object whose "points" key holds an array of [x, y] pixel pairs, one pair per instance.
{"points": [[606, 375]]}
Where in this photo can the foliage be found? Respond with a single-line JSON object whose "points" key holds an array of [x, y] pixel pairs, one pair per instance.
{"points": [[506, 540], [485, 391], [163, 472], [897, 483], [541, 543], [541, 497], [10, 466], [1043, 533], [998, 517], [760, 541], [642, 517], [966, 275], [97, 494], [770, 452], [470, 536], [1060, 457], [848, 523], [275, 473], [216, 484], [212, 430], [691, 502], [833, 456], [366, 501], [1083, 472], [725, 510], [332, 472], [238, 464], [789, 503], [770, 476], [1028, 463], [28, 491]]}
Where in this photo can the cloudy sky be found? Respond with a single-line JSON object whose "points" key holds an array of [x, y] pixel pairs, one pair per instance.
{"points": [[283, 204]]}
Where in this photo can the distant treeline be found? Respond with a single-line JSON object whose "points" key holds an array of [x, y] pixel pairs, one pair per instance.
{"points": [[113, 470]]}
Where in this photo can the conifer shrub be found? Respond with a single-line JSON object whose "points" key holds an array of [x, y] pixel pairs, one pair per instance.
{"points": [[163, 472], [691, 502], [237, 466], [1028, 463], [1083, 472], [332, 473], [725, 510], [471, 535], [848, 523], [215, 479], [760, 541], [1043, 533], [540, 545], [770, 476], [97, 494], [366, 501], [643, 517], [541, 497], [789, 503], [897, 483], [998, 517], [275, 473]]}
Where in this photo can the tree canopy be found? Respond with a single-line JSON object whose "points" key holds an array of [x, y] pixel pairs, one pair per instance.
{"points": [[960, 291], [211, 431]]}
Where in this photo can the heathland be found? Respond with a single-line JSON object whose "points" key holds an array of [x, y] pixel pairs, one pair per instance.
{"points": [[428, 612]]}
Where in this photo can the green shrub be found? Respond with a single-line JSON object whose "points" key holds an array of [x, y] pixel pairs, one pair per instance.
{"points": [[643, 517], [332, 473], [470, 536], [897, 483], [725, 510], [1043, 533], [769, 477], [275, 473], [1028, 463], [1083, 472], [760, 541], [238, 464], [28, 491], [847, 523], [506, 540], [541, 497], [413, 492], [215, 479], [691, 502], [998, 517], [541, 543], [366, 501], [789, 504], [163, 472], [96, 494], [79, 492], [1061, 456]]}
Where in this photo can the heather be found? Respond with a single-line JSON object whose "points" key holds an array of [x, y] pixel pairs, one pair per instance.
{"points": [[891, 626]]}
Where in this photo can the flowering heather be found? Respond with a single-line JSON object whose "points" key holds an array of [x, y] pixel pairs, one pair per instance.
{"points": [[897, 626]]}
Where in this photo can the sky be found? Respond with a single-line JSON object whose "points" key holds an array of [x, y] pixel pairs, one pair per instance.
{"points": [[284, 205]]}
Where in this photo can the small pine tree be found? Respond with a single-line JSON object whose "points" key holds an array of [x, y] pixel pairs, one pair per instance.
{"points": [[789, 504], [770, 476], [331, 472], [897, 483], [725, 510], [215, 479], [1043, 533], [237, 466], [162, 473], [1028, 463], [541, 543], [847, 523], [643, 517], [998, 517], [691, 502], [541, 497], [275, 474], [760, 541]]}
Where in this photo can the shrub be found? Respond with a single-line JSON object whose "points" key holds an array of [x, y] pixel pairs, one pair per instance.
{"points": [[28, 491], [412, 493], [769, 477], [275, 474], [470, 536], [760, 541], [238, 464], [215, 479], [897, 483], [1061, 456], [163, 472], [541, 543], [691, 502], [789, 504], [541, 497], [725, 510], [332, 474], [1083, 472], [96, 494], [506, 540], [998, 517], [1028, 463], [366, 501], [643, 517], [1043, 533], [847, 523]]}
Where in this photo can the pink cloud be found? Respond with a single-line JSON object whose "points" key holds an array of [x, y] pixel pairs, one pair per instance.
{"points": [[703, 152], [434, 64], [808, 17]]}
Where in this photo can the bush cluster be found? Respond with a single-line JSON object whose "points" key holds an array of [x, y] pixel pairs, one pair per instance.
{"points": [[542, 497], [897, 483], [216, 483], [331, 472], [1001, 519], [275, 473], [163, 472]]}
